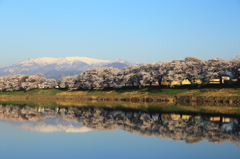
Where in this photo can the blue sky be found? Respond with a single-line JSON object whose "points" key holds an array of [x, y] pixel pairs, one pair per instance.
{"points": [[133, 30]]}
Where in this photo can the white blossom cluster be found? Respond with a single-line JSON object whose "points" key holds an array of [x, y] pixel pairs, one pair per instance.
{"points": [[25, 82], [190, 68]]}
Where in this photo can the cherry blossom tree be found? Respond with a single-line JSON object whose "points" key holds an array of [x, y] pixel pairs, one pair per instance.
{"points": [[98, 77], [193, 69]]}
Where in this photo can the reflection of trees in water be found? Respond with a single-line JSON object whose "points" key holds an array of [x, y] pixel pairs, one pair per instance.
{"points": [[179, 127]]}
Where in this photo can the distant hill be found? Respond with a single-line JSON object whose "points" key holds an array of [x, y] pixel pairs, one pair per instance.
{"points": [[55, 67], [117, 65]]}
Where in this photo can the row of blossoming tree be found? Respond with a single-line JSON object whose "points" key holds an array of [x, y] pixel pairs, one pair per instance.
{"points": [[26, 82], [190, 68]]}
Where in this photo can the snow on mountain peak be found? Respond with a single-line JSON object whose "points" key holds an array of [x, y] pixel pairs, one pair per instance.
{"points": [[39, 61], [49, 60], [73, 65], [87, 60], [45, 60]]}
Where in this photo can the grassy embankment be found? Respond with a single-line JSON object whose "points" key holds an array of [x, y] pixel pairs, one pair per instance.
{"points": [[116, 99], [147, 92]]}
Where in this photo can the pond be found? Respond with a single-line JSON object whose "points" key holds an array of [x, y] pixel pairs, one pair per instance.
{"points": [[89, 132]]}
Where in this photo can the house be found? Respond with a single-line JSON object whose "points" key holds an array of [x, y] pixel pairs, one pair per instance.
{"points": [[155, 83], [184, 82], [214, 81]]}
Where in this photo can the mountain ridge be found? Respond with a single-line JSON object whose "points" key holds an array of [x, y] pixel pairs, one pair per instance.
{"points": [[66, 65]]}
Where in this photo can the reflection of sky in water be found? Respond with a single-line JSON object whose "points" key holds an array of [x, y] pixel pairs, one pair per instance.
{"points": [[19, 143], [51, 125]]}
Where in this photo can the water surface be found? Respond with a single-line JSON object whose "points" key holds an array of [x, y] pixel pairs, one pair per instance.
{"points": [[79, 132]]}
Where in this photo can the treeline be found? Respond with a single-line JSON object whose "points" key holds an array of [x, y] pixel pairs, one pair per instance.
{"points": [[191, 68], [26, 82]]}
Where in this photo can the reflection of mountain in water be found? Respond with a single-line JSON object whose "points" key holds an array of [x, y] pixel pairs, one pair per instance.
{"points": [[180, 127], [53, 125]]}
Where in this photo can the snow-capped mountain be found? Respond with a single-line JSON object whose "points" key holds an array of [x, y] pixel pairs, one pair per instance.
{"points": [[54, 67]]}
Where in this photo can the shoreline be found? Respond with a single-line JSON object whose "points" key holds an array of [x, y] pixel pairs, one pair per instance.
{"points": [[191, 97]]}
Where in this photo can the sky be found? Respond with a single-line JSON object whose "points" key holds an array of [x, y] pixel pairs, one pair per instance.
{"points": [[133, 30]]}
